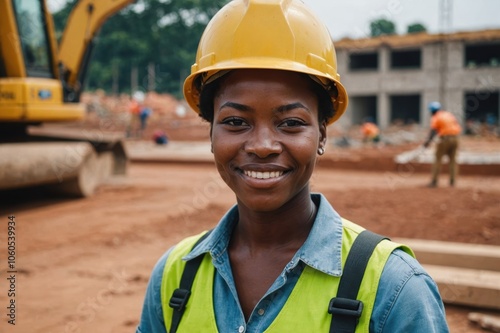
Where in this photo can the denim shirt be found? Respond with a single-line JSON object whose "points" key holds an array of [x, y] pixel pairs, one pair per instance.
{"points": [[407, 298]]}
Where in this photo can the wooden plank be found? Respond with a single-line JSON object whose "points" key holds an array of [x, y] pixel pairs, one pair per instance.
{"points": [[478, 288], [473, 256]]}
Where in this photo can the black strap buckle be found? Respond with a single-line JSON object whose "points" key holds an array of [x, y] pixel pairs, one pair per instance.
{"points": [[345, 307], [179, 299]]}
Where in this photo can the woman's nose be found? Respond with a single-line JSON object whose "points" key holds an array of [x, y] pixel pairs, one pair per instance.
{"points": [[263, 142]]}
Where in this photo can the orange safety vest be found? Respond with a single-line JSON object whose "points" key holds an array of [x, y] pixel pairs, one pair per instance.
{"points": [[134, 107], [369, 130], [445, 123]]}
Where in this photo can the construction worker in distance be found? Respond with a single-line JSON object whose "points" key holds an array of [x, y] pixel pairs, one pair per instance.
{"points": [[265, 78], [445, 125], [135, 106], [370, 131]]}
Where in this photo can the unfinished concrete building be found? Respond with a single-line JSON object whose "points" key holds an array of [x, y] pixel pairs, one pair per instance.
{"points": [[392, 78]]}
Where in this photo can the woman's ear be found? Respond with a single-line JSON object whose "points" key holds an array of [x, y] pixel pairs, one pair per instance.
{"points": [[322, 135]]}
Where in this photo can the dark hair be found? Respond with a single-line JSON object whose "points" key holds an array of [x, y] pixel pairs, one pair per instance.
{"points": [[207, 96], [208, 92]]}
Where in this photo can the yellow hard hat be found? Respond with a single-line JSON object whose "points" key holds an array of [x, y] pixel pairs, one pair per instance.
{"points": [[266, 34]]}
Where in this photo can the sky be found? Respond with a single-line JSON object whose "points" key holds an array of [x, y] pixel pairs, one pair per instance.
{"points": [[351, 18]]}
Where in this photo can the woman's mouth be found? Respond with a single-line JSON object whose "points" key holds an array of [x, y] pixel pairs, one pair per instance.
{"points": [[263, 174]]}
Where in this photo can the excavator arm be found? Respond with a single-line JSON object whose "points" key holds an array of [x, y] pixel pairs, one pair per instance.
{"points": [[84, 22]]}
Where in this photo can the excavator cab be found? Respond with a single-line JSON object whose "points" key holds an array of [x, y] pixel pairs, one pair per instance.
{"points": [[33, 37], [30, 90]]}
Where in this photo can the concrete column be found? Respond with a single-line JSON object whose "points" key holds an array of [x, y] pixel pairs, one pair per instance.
{"points": [[383, 59], [342, 63], [455, 104], [383, 114], [425, 116]]}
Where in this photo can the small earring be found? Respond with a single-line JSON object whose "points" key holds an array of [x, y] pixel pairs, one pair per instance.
{"points": [[321, 151]]}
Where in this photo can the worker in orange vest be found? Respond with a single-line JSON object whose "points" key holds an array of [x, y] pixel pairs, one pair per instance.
{"points": [[446, 126], [135, 106], [370, 131]]}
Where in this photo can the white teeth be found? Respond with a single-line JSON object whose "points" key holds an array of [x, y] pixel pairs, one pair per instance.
{"points": [[263, 175]]}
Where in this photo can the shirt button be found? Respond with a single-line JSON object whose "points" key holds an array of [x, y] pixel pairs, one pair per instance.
{"points": [[261, 312], [241, 329]]}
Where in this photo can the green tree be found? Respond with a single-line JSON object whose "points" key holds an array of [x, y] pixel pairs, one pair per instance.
{"points": [[382, 27], [164, 33], [416, 27]]}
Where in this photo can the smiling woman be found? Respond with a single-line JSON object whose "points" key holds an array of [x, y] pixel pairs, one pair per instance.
{"points": [[265, 79]]}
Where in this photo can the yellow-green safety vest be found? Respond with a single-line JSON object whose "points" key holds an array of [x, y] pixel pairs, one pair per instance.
{"points": [[306, 309]]}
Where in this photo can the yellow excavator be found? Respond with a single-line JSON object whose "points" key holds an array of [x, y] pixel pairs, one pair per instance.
{"points": [[40, 83]]}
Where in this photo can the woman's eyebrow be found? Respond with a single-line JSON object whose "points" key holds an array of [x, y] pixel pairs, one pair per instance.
{"points": [[237, 106], [288, 107], [279, 109]]}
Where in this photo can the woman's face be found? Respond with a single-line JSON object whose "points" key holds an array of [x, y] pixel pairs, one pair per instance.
{"points": [[265, 136]]}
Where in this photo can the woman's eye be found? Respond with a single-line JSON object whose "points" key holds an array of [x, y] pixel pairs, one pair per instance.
{"points": [[292, 123], [234, 122]]}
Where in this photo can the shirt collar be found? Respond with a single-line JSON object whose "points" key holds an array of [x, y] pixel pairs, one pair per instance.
{"points": [[322, 249]]}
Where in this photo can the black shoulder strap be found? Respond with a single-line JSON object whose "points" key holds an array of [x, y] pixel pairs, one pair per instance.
{"points": [[345, 308], [181, 295]]}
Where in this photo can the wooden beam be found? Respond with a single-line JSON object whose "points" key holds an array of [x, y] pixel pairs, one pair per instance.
{"points": [[473, 256], [478, 288]]}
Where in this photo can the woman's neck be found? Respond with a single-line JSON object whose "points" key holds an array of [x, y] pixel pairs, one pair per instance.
{"points": [[288, 226]]}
